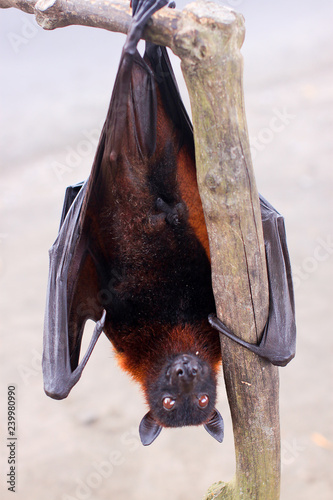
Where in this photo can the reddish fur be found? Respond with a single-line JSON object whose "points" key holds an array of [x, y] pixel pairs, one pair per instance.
{"points": [[189, 192], [186, 174], [131, 232], [143, 360], [145, 363]]}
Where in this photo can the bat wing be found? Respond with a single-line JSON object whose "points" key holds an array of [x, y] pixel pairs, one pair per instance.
{"points": [[70, 195], [278, 342], [158, 59], [81, 258], [66, 253]]}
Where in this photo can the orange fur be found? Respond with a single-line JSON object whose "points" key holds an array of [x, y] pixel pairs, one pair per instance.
{"points": [[145, 363], [189, 191]]}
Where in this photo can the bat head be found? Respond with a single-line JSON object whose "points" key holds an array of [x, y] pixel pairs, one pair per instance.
{"points": [[183, 394]]}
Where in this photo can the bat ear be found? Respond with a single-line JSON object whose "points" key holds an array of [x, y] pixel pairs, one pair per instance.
{"points": [[215, 426], [149, 429]]}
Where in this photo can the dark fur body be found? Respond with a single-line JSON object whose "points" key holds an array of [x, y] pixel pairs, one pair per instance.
{"points": [[155, 243], [154, 280]]}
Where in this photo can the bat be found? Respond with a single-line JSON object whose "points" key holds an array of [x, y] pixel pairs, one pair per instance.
{"points": [[132, 254]]}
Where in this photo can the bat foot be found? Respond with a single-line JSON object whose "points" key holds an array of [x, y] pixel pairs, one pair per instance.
{"points": [[142, 11], [173, 215], [168, 214]]}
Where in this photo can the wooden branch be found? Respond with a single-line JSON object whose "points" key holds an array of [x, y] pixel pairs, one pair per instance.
{"points": [[208, 37], [25, 5], [213, 68], [112, 16]]}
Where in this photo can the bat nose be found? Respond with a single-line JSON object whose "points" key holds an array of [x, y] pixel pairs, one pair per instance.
{"points": [[184, 371], [186, 368]]}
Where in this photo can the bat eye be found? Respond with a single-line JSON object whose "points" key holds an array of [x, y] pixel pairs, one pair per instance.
{"points": [[203, 401], [168, 403]]}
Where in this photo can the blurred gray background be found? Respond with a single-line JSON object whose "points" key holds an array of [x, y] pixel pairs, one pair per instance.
{"points": [[54, 93]]}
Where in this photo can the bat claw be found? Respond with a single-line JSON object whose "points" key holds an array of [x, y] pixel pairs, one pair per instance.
{"points": [[101, 322], [172, 214]]}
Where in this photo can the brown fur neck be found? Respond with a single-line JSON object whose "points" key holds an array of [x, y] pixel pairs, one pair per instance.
{"points": [[146, 350]]}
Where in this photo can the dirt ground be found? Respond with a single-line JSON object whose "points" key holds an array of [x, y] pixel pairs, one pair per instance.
{"points": [[54, 92]]}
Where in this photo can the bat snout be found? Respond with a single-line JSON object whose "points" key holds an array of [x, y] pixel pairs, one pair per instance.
{"points": [[184, 371], [186, 367]]}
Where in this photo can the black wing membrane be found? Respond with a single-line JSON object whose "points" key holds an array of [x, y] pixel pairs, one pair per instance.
{"points": [[70, 195], [157, 57], [58, 376], [278, 341]]}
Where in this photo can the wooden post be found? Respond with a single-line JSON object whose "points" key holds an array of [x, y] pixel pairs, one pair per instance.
{"points": [[212, 67], [208, 37]]}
